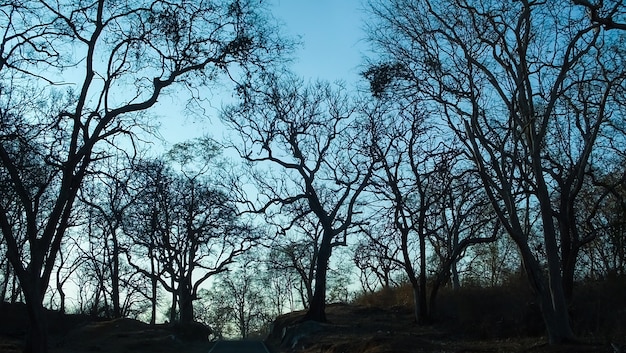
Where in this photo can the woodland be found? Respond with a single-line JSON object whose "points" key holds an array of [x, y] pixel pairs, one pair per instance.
{"points": [[485, 147]]}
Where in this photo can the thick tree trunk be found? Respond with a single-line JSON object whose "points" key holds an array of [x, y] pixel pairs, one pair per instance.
{"points": [[551, 299], [185, 302], [37, 335], [554, 304], [442, 277], [416, 303], [567, 234], [569, 270], [317, 306]]}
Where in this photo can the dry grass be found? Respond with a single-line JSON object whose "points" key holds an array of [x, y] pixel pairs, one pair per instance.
{"points": [[361, 329], [81, 334], [503, 319], [474, 319]]}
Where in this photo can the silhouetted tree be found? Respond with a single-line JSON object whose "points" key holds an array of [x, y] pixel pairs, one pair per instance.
{"points": [[376, 257], [189, 230], [107, 196], [531, 89], [309, 133], [605, 203], [119, 57], [296, 251], [466, 222], [240, 291], [410, 186]]}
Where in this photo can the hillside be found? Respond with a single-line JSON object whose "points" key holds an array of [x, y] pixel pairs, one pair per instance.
{"points": [[474, 319], [471, 320], [81, 333], [374, 330]]}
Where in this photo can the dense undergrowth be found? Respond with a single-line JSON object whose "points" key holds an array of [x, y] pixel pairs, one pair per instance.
{"points": [[597, 309]]}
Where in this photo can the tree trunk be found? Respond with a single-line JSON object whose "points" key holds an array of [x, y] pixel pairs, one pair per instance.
{"points": [[185, 301], [551, 299], [61, 300], [416, 300], [554, 304], [440, 279], [569, 269], [317, 307], [456, 283], [16, 290], [423, 317], [306, 300], [115, 278], [153, 283], [37, 334], [5, 283], [173, 316], [410, 272]]}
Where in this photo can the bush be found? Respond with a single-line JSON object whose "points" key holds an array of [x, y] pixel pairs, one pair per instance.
{"points": [[597, 309]]}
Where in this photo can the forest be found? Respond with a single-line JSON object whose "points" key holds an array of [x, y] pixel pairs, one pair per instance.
{"points": [[485, 146]]}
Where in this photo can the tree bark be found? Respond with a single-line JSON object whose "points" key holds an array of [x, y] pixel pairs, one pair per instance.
{"points": [[153, 284], [185, 301], [317, 307], [550, 297], [554, 304], [37, 334], [423, 315], [115, 277]]}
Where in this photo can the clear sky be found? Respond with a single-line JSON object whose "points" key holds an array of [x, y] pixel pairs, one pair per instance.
{"points": [[331, 31], [332, 49]]}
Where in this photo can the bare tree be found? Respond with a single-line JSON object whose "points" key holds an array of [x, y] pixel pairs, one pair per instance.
{"points": [[118, 57], [411, 186], [241, 291], [296, 251], [190, 231], [67, 265], [308, 133], [605, 202], [466, 221], [376, 257], [283, 285], [106, 193], [530, 89]]}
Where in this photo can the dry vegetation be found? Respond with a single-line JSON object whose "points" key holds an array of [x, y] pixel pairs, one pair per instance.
{"points": [[474, 319], [81, 334]]}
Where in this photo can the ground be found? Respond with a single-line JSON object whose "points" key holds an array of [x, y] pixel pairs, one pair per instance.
{"points": [[365, 329], [82, 334], [473, 321]]}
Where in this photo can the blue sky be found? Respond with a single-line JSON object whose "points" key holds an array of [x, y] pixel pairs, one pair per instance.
{"points": [[331, 31], [332, 50]]}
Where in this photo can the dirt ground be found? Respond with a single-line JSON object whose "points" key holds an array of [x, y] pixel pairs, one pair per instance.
{"points": [[372, 330], [114, 336], [350, 328], [79, 333]]}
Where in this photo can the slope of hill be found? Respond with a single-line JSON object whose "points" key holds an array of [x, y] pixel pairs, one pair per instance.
{"points": [[473, 319], [81, 333], [502, 319]]}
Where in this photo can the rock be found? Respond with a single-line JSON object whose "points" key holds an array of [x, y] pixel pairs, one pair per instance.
{"points": [[294, 335], [192, 331]]}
